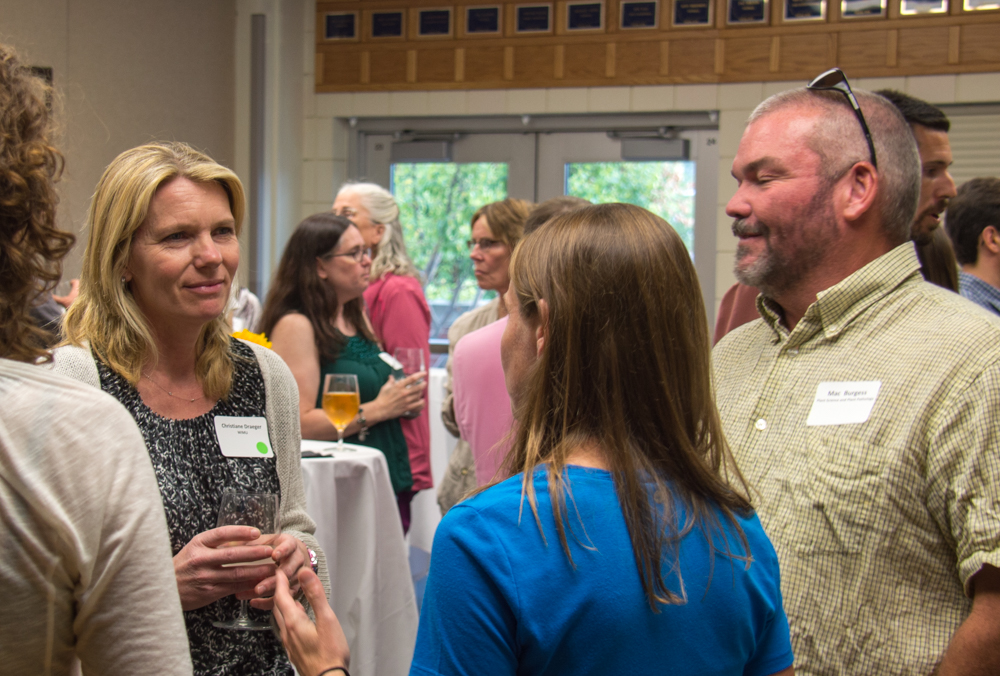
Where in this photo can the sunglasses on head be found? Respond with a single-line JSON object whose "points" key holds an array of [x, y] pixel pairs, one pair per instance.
{"points": [[835, 79]]}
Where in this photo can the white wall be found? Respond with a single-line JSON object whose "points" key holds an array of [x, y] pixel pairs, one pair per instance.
{"points": [[126, 73]]}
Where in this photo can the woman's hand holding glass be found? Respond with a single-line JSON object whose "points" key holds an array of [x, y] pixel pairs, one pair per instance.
{"points": [[398, 397], [208, 570]]}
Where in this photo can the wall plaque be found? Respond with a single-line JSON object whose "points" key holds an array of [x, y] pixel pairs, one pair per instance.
{"points": [[534, 18], [693, 12], [584, 15], [480, 20], [910, 7], [973, 5], [434, 23], [341, 26], [387, 24], [640, 14], [860, 9], [805, 10], [747, 12]]}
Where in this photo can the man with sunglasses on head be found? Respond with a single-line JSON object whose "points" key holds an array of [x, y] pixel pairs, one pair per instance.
{"points": [[930, 128], [865, 407]]}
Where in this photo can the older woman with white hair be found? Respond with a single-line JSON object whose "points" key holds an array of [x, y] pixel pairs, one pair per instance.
{"points": [[396, 306]]}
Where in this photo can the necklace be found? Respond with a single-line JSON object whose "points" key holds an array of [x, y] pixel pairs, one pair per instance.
{"points": [[171, 393]]}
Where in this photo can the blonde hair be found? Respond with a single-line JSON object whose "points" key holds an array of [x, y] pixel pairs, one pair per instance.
{"points": [[105, 314], [382, 209], [625, 366]]}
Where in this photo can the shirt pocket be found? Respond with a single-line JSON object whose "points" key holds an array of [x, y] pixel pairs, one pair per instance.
{"points": [[837, 500]]}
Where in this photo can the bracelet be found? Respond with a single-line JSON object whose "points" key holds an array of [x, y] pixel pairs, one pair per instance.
{"points": [[362, 434], [346, 672], [313, 561]]}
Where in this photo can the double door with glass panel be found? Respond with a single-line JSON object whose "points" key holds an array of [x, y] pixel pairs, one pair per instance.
{"points": [[438, 198]]}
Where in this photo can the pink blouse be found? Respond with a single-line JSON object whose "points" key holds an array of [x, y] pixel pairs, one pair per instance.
{"points": [[482, 406], [401, 318]]}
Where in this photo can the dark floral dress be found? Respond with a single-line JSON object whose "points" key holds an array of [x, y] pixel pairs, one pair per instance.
{"points": [[192, 474]]}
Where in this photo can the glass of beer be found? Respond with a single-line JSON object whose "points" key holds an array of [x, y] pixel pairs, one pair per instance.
{"points": [[341, 402], [260, 511]]}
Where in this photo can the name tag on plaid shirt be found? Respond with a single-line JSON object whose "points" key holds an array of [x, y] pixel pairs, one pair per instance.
{"points": [[843, 403]]}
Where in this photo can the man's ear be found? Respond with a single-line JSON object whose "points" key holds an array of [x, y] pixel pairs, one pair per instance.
{"points": [[990, 240], [542, 330], [859, 188]]}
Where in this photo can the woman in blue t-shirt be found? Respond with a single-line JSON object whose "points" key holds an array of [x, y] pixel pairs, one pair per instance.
{"points": [[625, 541]]}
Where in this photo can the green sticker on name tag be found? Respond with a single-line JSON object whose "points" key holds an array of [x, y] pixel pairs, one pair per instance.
{"points": [[243, 436]]}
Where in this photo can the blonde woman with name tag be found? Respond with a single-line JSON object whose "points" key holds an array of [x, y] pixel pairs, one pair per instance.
{"points": [[216, 413]]}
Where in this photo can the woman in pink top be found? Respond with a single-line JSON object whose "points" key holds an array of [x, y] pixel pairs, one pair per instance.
{"points": [[396, 306]]}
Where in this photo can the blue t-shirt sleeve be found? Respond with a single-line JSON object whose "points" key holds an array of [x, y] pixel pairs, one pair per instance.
{"points": [[468, 620], [773, 652]]}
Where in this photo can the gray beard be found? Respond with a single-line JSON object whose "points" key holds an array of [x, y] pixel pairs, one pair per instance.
{"points": [[775, 273]]}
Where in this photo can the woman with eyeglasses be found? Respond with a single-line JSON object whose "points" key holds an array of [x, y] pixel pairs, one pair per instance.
{"points": [[496, 229], [396, 307], [314, 316]]}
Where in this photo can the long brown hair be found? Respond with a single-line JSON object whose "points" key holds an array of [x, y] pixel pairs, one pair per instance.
{"points": [[31, 244], [296, 286], [625, 366]]}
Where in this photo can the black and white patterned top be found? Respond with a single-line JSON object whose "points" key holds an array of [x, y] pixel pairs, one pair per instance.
{"points": [[192, 474]]}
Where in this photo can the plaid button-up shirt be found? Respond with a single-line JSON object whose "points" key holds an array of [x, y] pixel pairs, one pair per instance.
{"points": [[979, 292], [880, 524]]}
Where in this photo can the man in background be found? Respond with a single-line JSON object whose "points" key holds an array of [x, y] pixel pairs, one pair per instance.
{"points": [[930, 128], [973, 223]]}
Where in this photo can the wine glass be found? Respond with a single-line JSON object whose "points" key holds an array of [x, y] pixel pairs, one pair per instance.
{"points": [[260, 511], [341, 402], [412, 361]]}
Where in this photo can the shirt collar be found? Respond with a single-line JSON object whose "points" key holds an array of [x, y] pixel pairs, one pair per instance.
{"points": [[979, 291], [836, 307]]}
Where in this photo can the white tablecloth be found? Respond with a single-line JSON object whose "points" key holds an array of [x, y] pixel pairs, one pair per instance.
{"points": [[357, 525]]}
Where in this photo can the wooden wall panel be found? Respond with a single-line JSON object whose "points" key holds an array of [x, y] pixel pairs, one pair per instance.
{"points": [[436, 65], [484, 64], [862, 50], [585, 62], [894, 45], [637, 61], [535, 63], [693, 60], [804, 54], [745, 57], [980, 45], [342, 69], [922, 47], [388, 66]]}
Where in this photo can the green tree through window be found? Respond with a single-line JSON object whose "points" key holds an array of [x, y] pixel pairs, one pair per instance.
{"points": [[665, 188], [436, 202]]}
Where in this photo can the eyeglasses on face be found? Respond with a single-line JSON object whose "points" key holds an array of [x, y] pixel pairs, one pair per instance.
{"points": [[835, 79], [346, 212], [484, 243], [358, 254]]}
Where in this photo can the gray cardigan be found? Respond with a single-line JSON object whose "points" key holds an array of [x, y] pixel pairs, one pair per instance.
{"points": [[282, 411]]}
